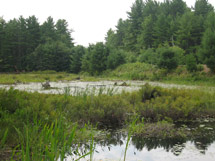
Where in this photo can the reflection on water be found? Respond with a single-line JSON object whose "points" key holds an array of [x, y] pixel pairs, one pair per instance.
{"points": [[200, 147]]}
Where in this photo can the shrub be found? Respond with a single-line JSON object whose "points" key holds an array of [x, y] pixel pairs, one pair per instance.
{"points": [[168, 60], [115, 59], [148, 56], [191, 63]]}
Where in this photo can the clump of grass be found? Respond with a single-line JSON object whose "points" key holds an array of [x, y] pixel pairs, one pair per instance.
{"points": [[161, 129]]}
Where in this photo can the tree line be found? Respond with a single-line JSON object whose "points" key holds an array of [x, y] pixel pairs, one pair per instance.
{"points": [[171, 30], [25, 45], [166, 34]]}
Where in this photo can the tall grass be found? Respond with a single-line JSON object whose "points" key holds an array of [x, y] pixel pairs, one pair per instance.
{"points": [[52, 142], [130, 132], [3, 140]]}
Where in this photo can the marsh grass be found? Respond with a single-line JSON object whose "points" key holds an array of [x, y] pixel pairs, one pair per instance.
{"points": [[46, 142], [45, 126], [3, 140], [41, 76], [143, 71]]}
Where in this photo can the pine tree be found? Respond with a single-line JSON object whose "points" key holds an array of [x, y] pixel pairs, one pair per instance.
{"points": [[147, 36], [63, 33], [207, 52], [48, 31], [162, 30], [76, 58], [135, 18], [202, 7], [189, 32]]}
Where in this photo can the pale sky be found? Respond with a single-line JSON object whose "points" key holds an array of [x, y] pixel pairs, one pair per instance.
{"points": [[89, 19]]}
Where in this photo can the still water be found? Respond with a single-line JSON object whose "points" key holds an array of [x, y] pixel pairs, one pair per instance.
{"points": [[199, 147], [75, 87]]}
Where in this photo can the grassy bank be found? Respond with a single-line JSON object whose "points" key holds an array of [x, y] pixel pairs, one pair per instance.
{"points": [[41, 76], [41, 125], [142, 71]]}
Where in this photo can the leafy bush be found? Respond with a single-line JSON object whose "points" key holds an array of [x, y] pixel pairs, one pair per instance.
{"points": [[191, 63], [179, 53], [149, 56], [115, 59], [168, 60]]}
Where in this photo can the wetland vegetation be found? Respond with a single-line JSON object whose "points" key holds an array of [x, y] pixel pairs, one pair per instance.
{"points": [[142, 88], [45, 126]]}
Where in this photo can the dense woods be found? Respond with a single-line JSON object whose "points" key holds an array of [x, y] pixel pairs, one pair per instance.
{"points": [[166, 34]]}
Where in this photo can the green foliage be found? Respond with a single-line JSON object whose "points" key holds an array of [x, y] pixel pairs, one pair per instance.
{"points": [[53, 55], [134, 28], [202, 7], [134, 71], [207, 50], [110, 39], [168, 60], [63, 33], [25, 45], [115, 58], [148, 56], [162, 24], [146, 38], [148, 92], [179, 53], [190, 32], [95, 61], [76, 58], [191, 63]]}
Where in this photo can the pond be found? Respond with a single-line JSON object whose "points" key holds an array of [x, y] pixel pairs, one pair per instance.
{"points": [[108, 87], [200, 147]]}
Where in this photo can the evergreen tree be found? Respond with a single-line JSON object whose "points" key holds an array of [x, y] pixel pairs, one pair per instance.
{"points": [[207, 52], [9, 48], [202, 7], [162, 30], [48, 31], [177, 8], [122, 29], [95, 61], [63, 33], [76, 58], [2, 37], [53, 55], [190, 32], [33, 33], [110, 39], [135, 18], [147, 36]]}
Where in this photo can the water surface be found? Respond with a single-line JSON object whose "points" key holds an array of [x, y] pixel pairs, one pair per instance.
{"points": [[199, 147], [74, 87]]}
